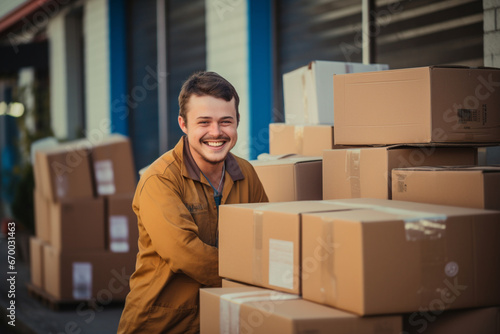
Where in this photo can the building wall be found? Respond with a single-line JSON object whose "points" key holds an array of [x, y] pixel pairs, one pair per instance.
{"points": [[227, 54], [8, 5], [58, 92], [491, 26], [97, 73]]}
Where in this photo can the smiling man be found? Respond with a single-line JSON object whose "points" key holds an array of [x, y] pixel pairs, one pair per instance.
{"points": [[176, 203]]}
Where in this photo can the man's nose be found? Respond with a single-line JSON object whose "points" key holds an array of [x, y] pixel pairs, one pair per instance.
{"points": [[215, 129]]}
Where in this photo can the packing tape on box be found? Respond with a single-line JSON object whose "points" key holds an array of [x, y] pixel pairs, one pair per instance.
{"points": [[299, 138], [328, 288], [418, 225], [352, 170], [257, 246], [230, 306]]}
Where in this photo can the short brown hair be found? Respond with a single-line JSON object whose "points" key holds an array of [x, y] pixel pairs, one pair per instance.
{"points": [[207, 83]]}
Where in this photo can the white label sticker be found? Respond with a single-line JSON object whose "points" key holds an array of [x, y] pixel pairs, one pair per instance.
{"points": [[281, 263], [451, 269], [118, 234], [82, 280], [104, 177]]}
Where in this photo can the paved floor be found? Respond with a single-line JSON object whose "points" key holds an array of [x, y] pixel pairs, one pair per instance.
{"points": [[31, 316]]}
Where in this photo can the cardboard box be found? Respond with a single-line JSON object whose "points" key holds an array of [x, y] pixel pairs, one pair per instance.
{"points": [[259, 243], [254, 310], [102, 276], [227, 283], [307, 91], [36, 262], [291, 178], [366, 172], [391, 256], [78, 224], [42, 216], [305, 140], [465, 186], [122, 233], [417, 105], [477, 321], [113, 165], [63, 172]]}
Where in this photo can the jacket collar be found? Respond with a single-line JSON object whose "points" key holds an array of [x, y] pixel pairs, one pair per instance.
{"points": [[191, 169]]}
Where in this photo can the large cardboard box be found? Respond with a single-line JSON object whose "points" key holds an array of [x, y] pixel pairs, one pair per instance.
{"points": [[466, 186], [78, 224], [417, 105], [366, 172], [291, 178], [306, 140], [36, 262], [308, 90], [102, 276], [477, 321], [254, 310], [391, 256], [122, 233], [42, 215], [113, 166], [259, 243], [64, 171]]}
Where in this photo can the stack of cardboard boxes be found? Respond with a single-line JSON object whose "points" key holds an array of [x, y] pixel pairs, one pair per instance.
{"points": [[86, 235], [358, 260]]}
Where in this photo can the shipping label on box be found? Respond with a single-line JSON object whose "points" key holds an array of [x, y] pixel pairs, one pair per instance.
{"points": [[465, 186], [122, 232], [114, 171], [417, 105], [399, 257], [366, 172], [255, 310]]}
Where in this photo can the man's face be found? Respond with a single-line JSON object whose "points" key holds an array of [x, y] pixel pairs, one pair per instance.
{"points": [[211, 128]]}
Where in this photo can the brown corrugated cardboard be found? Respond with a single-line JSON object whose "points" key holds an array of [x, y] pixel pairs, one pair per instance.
{"points": [[36, 262], [42, 216], [113, 165], [254, 310], [64, 171], [307, 91], [122, 232], [259, 243], [477, 321], [417, 105], [465, 186], [306, 140], [227, 283], [87, 275], [391, 256], [78, 224], [291, 178], [366, 172]]}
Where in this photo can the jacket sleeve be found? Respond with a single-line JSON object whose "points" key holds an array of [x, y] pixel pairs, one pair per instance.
{"points": [[174, 234]]}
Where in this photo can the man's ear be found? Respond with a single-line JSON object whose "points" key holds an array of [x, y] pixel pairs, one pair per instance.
{"points": [[182, 124]]}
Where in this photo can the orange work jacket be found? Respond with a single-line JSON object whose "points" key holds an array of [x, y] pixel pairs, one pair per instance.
{"points": [[178, 227]]}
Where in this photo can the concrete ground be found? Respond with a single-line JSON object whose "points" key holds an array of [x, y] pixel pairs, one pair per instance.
{"points": [[32, 316]]}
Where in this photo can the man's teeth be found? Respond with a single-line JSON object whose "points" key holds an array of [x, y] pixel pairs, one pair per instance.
{"points": [[215, 144]]}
